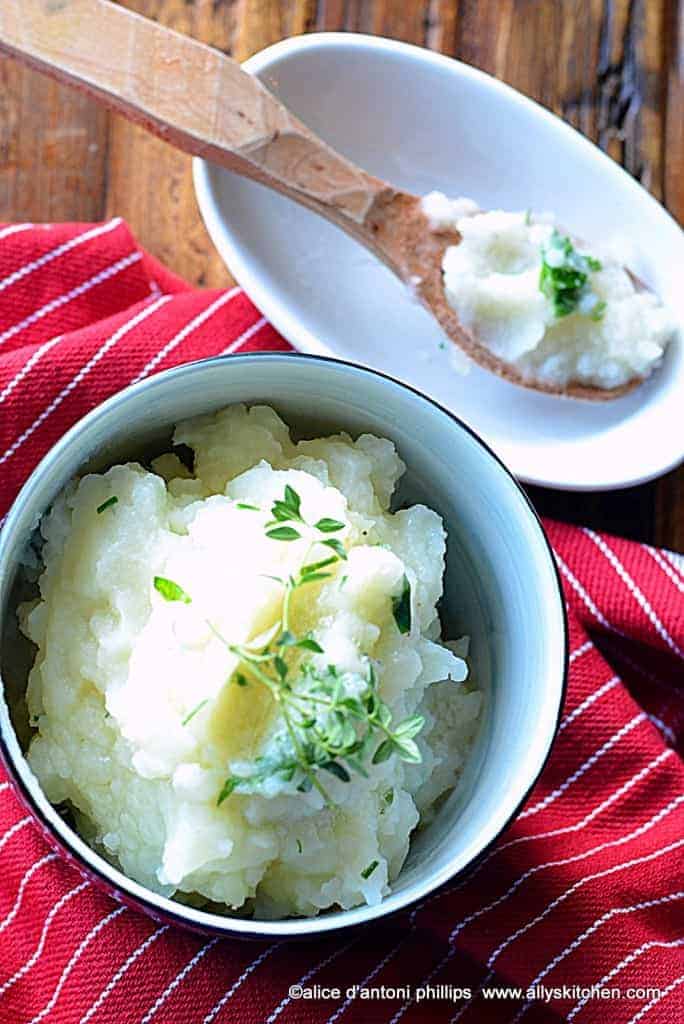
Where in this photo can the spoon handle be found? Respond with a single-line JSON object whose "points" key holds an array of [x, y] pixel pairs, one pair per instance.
{"points": [[192, 96]]}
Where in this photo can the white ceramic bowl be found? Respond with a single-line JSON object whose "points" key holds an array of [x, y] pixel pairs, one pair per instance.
{"points": [[501, 588], [423, 121]]}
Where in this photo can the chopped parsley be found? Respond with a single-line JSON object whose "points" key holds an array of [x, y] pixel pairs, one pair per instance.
{"points": [[170, 591], [401, 607], [367, 872], [195, 710], [107, 504], [564, 275]]}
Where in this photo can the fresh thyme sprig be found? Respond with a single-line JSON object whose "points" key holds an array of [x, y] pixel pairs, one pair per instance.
{"points": [[328, 729]]}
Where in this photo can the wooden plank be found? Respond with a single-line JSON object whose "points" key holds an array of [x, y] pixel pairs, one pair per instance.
{"points": [[53, 149]]}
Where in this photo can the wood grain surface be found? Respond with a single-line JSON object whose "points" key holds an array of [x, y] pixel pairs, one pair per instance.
{"points": [[612, 68]]}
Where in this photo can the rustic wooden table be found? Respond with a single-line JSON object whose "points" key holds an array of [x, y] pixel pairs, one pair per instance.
{"points": [[612, 68]]}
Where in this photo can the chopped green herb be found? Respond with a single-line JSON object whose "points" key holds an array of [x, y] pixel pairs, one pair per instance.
{"points": [[107, 504], [283, 533], [337, 546], [227, 788], [170, 591], [195, 710], [599, 311], [250, 508], [240, 679], [299, 845], [367, 872], [564, 274], [401, 607], [389, 797], [329, 525]]}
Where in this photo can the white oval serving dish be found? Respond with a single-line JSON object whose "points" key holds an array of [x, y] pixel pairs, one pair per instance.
{"points": [[424, 121]]}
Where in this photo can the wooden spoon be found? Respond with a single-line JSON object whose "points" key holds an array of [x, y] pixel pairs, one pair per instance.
{"points": [[202, 102]]}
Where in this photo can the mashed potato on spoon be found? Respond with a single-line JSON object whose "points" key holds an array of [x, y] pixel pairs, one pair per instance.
{"points": [[239, 684]]}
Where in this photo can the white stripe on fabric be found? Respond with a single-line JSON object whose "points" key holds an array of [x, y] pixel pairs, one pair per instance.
{"points": [[656, 999], [193, 324], [11, 914], [364, 984], [645, 827], [666, 731], [625, 962], [589, 763], [14, 229], [16, 827], [53, 254], [116, 978], [588, 702], [307, 977], [674, 558], [236, 984], [665, 566], [245, 336], [161, 999], [76, 956], [551, 906], [83, 372], [35, 956], [27, 367], [634, 590], [579, 589], [74, 293], [577, 942], [586, 646], [578, 826]]}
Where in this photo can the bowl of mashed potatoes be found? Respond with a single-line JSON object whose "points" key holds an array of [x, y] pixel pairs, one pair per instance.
{"points": [[284, 647]]}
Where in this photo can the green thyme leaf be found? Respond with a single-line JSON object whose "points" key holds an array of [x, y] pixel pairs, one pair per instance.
{"points": [[195, 710], [389, 797], [280, 667], [241, 680], [299, 845], [408, 750], [311, 577], [307, 643], [367, 872], [107, 504], [599, 311], [245, 505], [383, 752], [401, 607], [410, 727], [283, 533], [336, 769], [315, 566], [329, 525], [228, 786], [171, 591], [337, 546]]}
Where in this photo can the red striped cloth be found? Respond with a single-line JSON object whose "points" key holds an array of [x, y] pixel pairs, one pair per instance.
{"points": [[585, 888]]}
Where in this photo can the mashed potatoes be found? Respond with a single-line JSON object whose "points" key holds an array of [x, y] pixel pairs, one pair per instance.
{"points": [[152, 721], [504, 281]]}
